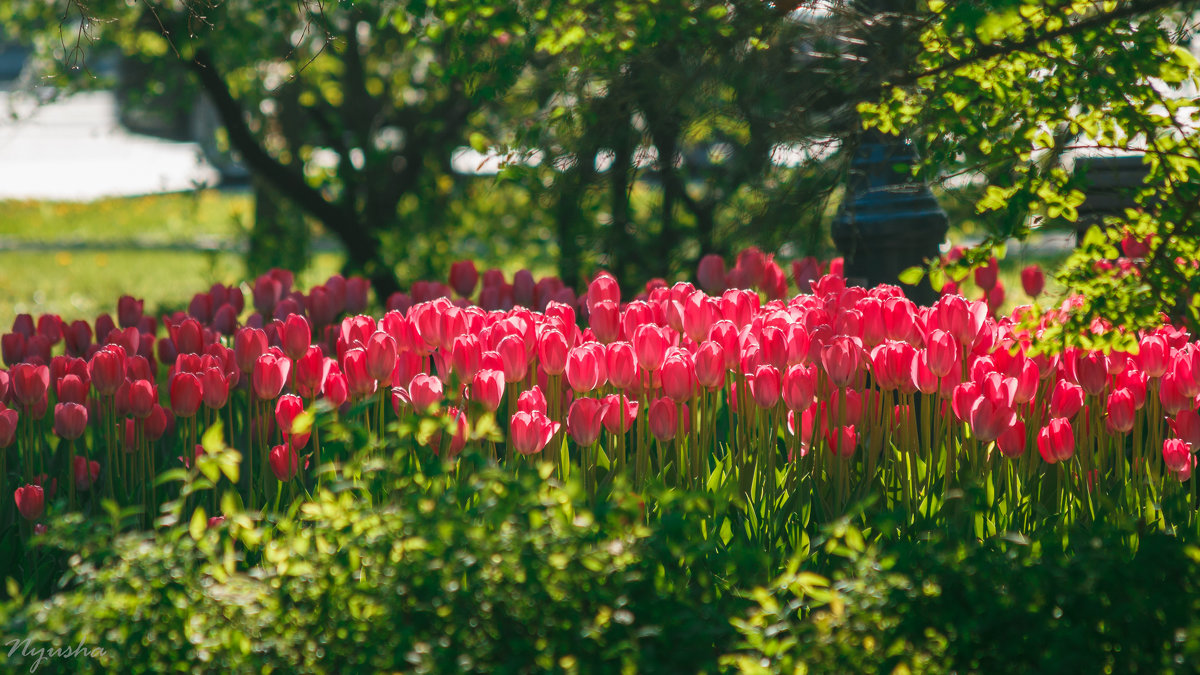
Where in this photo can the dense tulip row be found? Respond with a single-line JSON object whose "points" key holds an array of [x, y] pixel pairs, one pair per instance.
{"points": [[800, 405]]}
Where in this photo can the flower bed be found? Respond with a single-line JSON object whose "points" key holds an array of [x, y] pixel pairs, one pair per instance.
{"points": [[795, 408]]}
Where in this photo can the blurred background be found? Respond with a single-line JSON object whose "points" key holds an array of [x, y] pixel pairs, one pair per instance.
{"points": [[366, 143]]}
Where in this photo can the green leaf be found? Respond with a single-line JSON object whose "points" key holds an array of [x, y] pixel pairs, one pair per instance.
{"points": [[213, 441], [198, 524], [478, 142], [912, 276]]}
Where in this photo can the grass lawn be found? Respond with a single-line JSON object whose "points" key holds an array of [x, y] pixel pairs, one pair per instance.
{"points": [[168, 218], [79, 283]]}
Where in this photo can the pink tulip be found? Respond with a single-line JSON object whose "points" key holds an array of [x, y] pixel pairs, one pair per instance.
{"points": [[765, 386], [985, 276], [1177, 455], [842, 359], [1172, 396], [358, 377], [425, 391], [1153, 355], [487, 388], [663, 417], [842, 440], [678, 376], [532, 400], [583, 421], [619, 413], [585, 367], [711, 274], [621, 363], [552, 351], [529, 432], [650, 346], [709, 363], [1056, 440], [248, 345], [86, 472], [989, 418], [381, 357]]}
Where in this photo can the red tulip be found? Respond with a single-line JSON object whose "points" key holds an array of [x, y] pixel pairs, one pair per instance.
{"points": [[248, 345], [1066, 399], [354, 363], [8, 426], [287, 409], [71, 389], [583, 421], [30, 383], [215, 387], [158, 422], [295, 335], [464, 277], [186, 394], [270, 374], [284, 461], [129, 311], [985, 275], [1011, 442], [143, 396], [1033, 280], [77, 337], [514, 358], [31, 501], [70, 420], [1153, 355], [1120, 410], [529, 432], [336, 388], [86, 472], [1056, 440]]}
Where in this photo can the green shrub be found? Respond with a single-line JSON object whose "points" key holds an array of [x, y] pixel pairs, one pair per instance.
{"points": [[1002, 607], [499, 573]]}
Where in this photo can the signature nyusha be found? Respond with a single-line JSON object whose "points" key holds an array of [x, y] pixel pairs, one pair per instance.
{"points": [[43, 653]]}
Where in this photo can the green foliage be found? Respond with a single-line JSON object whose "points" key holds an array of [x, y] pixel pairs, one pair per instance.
{"points": [[945, 606], [497, 573], [1013, 90]]}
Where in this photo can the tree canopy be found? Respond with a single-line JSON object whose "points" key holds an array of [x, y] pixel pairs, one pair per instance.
{"points": [[670, 129]]}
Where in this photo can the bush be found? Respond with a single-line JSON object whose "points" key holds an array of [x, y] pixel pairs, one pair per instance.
{"points": [[499, 573], [950, 607]]}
